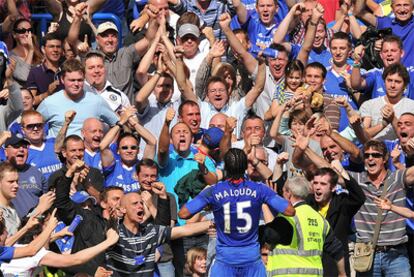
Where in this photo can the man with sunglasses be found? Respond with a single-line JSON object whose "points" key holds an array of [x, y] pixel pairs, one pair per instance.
{"points": [[41, 151], [32, 183], [391, 257]]}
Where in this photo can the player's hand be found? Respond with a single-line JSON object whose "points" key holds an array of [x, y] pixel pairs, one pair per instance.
{"points": [[112, 236], [52, 223], [225, 20], [126, 114], [103, 272], [282, 158], [395, 153], [147, 198], [387, 113], [45, 202], [200, 158], [52, 87], [359, 53], [231, 124]]}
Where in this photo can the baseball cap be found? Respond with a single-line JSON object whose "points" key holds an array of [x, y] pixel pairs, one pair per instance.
{"points": [[80, 197], [188, 29], [15, 139], [212, 137], [108, 25]]}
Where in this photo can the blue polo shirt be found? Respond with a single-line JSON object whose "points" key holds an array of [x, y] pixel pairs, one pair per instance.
{"points": [[375, 84], [336, 87], [93, 159], [177, 167], [405, 32]]}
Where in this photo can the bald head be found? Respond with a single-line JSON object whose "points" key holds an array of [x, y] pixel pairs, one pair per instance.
{"points": [[219, 121], [132, 207], [92, 132]]}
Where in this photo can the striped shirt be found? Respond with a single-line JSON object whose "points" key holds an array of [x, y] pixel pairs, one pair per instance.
{"points": [[392, 230], [121, 258]]}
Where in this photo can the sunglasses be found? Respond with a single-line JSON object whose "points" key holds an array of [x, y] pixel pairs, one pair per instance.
{"points": [[23, 30], [33, 126], [132, 147], [374, 155]]}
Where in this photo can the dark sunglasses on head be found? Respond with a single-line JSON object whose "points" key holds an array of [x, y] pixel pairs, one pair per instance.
{"points": [[34, 125], [23, 30], [374, 155], [126, 147]]}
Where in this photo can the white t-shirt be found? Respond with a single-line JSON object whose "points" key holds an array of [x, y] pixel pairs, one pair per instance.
{"points": [[372, 108], [23, 267]]}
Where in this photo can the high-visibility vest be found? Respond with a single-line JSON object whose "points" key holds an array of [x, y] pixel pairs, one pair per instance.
{"points": [[303, 257]]}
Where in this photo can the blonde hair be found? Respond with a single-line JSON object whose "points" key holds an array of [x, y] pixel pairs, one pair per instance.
{"points": [[192, 255]]}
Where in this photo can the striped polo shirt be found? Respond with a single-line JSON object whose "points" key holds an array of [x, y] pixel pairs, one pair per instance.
{"points": [[392, 230], [122, 257]]}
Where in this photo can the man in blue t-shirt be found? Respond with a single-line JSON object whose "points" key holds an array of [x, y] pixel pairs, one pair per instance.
{"points": [[402, 24], [236, 203], [41, 151]]}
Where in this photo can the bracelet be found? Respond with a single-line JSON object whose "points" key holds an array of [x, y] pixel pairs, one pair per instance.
{"points": [[256, 164], [157, 72], [350, 14], [312, 24], [356, 65], [118, 123]]}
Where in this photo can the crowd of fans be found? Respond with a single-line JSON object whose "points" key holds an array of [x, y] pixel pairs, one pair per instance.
{"points": [[114, 137]]}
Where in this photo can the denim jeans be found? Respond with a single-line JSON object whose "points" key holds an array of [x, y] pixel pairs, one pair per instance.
{"points": [[166, 269], [393, 262]]}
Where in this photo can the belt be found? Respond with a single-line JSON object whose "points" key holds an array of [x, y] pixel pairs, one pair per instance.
{"points": [[385, 248]]}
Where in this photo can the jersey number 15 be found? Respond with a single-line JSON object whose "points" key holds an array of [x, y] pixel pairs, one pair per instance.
{"points": [[241, 214]]}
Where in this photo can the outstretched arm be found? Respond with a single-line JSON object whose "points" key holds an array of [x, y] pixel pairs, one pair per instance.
{"points": [[69, 116], [190, 229], [164, 140]]}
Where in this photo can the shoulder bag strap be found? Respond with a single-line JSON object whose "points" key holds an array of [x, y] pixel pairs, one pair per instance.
{"points": [[379, 217]]}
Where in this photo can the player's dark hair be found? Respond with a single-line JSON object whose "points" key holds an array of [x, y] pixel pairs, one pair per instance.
{"points": [[235, 163]]}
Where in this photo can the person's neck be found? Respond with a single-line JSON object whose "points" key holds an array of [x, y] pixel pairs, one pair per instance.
{"points": [[339, 67], [295, 200], [131, 226], [52, 65], [203, 5], [74, 97], [394, 100], [90, 149], [129, 163], [36, 143], [99, 87], [378, 178], [324, 203], [198, 275], [185, 153], [4, 201]]}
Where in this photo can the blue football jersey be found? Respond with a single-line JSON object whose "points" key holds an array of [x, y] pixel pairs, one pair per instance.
{"points": [[237, 208], [44, 158], [119, 175]]}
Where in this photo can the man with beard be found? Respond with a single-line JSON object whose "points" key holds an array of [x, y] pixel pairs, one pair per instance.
{"points": [[402, 25], [32, 183]]}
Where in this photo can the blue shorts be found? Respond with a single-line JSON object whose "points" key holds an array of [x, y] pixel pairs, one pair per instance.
{"points": [[255, 269]]}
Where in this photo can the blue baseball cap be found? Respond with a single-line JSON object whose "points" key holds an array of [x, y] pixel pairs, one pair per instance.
{"points": [[80, 197], [212, 137]]}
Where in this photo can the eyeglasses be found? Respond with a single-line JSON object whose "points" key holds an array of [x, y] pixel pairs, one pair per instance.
{"points": [[32, 126], [23, 30], [132, 147], [217, 90], [374, 155]]}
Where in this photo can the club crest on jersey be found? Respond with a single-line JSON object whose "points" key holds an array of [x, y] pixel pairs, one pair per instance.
{"points": [[236, 193], [113, 97]]}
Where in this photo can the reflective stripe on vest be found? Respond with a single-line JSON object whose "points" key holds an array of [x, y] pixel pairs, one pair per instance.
{"points": [[304, 255]]}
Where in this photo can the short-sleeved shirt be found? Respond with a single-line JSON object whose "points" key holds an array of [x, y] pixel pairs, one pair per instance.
{"points": [[54, 107], [121, 257], [237, 110], [120, 175], [119, 70], [323, 56], [258, 33], [393, 225], [40, 77], [11, 219], [237, 206], [405, 32], [115, 98], [24, 266], [372, 108], [93, 159], [44, 157]]}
